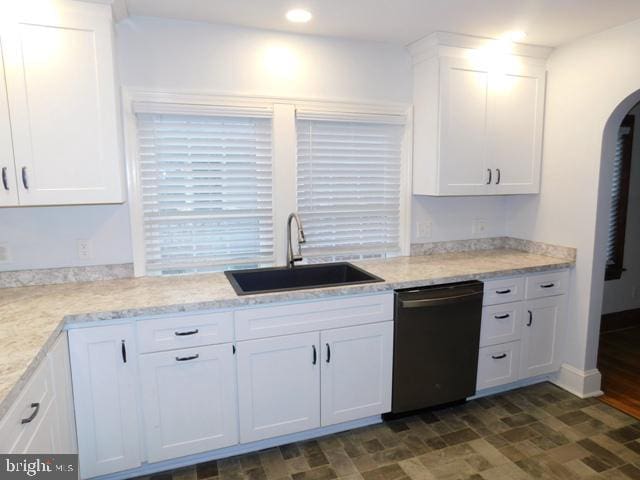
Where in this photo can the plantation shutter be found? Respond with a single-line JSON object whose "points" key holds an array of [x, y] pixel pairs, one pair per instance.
{"points": [[619, 199], [206, 183], [348, 186]]}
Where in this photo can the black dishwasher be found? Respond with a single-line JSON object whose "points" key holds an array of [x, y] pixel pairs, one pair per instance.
{"points": [[436, 341]]}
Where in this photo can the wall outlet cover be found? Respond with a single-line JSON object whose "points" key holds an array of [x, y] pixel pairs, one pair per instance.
{"points": [[5, 253], [480, 227], [84, 249], [423, 230]]}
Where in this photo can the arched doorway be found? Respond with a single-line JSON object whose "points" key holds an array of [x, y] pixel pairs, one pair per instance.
{"points": [[610, 342]]}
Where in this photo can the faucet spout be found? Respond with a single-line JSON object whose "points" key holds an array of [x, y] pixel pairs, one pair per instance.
{"points": [[291, 257]]}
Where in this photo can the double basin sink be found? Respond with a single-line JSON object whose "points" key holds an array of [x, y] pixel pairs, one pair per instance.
{"points": [[281, 279]]}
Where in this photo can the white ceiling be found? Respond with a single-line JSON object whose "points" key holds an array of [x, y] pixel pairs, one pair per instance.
{"points": [[547, 22]]}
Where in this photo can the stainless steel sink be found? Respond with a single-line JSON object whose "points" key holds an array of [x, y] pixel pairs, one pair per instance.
{"points": [[280, 279]]}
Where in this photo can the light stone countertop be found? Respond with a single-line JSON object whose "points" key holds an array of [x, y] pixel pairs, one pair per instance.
{"points": [[31, 318]]}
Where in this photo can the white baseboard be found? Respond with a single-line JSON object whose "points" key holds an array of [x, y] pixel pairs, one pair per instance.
{"points": [[150, 468], [511, 386], [584, 384]]}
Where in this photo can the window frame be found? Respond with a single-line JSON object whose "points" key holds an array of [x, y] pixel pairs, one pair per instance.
{"points": [[614, 271], [284, 152]]}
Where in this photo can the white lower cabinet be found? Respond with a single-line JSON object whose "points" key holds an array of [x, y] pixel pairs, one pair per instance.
{"points": [[41, 419], [189, 400], [105, 382], [521, 339], [498, 365], [540, 335], [278, 385], [356, 372]]}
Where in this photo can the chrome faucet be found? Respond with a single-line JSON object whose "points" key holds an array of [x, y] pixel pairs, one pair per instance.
{"points": [[291, 258]]}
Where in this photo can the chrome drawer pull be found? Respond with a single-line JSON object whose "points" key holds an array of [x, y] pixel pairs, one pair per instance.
{"points": [[189, 332], [36, 407]]}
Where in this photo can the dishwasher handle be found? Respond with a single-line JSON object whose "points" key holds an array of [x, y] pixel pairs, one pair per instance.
{"points": [[432, 302]]}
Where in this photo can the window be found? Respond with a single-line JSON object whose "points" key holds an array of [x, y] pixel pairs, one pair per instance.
{"points": [[214, 179], [619, 200], [206, 192], [348, 187]]}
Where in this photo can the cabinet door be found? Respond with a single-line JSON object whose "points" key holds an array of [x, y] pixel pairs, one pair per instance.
{"points": [[514, 124], [189, 399], [278, 386], [540, 335], [62, 98], [105, 378], [357, 364], [463, 111], [8, 187]]}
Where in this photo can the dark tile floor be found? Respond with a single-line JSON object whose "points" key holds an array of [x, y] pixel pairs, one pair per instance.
{"points": [[534, 432]]}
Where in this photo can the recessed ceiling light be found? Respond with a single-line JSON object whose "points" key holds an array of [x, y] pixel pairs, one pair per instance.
{"points": [[517, 35], [298, 15]]}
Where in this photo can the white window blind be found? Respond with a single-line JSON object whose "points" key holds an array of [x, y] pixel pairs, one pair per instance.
{"points": [[616, 210], [348, 187], [206, 185]]}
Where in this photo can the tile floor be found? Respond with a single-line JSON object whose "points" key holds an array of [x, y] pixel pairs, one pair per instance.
{"points": [[534, 432]]}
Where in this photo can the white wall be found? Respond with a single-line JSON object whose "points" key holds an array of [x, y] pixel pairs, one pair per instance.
{"points": [[589, 82], [47, 237], [452, 218], [619, 294], [157, 54], [201, 57]]}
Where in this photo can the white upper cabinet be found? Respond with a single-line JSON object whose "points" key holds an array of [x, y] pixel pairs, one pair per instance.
{"points": [[61, 92], [463, 125], [8, 186], [478, 114]]}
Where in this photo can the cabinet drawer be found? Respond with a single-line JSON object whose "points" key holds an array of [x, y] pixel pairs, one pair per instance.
{"points": [[503, 290], [312, 316], [547, 284], [15, 436], [498, 365], [501, 323], [170, 333]]}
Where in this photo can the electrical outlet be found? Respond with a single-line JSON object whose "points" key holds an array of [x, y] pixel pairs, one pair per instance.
{"points": [[423, 230], [480, 227], [5, 253], [84, 249]]}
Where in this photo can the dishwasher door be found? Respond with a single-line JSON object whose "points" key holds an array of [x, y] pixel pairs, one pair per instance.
{"points": [[436, 343]]}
